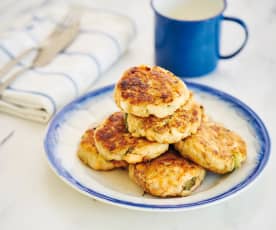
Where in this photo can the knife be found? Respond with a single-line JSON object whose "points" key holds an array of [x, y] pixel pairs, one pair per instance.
{"points": [[57, 41]]}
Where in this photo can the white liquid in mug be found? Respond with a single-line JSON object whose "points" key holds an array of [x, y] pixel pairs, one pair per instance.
{"points": [[189, 9]]}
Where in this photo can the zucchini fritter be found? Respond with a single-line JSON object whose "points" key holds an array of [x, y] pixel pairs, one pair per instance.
{"points": [[144, 91], [168, 175], [114, 142], [171, 129], [214, 147], [90, 156]]}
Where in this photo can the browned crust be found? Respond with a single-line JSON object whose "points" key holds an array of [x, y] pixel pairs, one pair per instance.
{"points": [[221, 141], [87, 144], [87, 140], [214, 147], [113, 134], [170, 164], [170, 158], [149, 85], [182, 119]]}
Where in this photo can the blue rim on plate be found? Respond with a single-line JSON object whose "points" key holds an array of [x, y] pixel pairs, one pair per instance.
{"points": [[253, 118]]}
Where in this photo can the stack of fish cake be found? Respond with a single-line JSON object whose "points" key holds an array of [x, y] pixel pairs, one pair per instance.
{"points": [[157, 109]]}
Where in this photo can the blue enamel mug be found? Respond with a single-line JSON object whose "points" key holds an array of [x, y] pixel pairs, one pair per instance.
{"points": [[187, 35]]}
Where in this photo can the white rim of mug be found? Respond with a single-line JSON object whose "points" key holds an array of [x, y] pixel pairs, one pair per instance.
{"points": [[186, 20]]}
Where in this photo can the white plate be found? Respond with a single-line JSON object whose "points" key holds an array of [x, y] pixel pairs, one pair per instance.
{"points": [[116, 188]]}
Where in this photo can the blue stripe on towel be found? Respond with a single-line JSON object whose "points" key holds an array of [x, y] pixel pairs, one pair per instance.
{"points": [[6, 51], [37, 93], [110, 36], [102, 10], [27, 30], [89, 31], [30, 9], [67, 76], [108, 11], [94, 59]]}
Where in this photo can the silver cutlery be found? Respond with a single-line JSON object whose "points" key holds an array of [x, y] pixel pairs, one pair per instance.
{"points": [[61, 37], [6, 138]]}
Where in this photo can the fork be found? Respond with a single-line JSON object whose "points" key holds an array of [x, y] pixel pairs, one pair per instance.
{"points": [[63, 34]]}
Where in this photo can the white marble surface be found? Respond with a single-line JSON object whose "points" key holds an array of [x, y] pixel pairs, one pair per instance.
{"points": [[33, 197]]}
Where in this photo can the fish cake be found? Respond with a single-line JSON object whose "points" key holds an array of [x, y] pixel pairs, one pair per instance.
{"points": [[89, 155], [114, 142], [169, 175], [214, 147], [171, 129], [144, 91]]}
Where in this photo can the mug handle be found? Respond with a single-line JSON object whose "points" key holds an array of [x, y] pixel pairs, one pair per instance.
{"points": [[243, 25]]}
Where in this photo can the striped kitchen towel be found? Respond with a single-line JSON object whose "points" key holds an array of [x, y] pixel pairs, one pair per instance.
{"points": [[36, 95]]}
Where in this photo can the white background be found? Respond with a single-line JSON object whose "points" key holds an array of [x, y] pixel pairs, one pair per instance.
{"points": [[33, 197]]}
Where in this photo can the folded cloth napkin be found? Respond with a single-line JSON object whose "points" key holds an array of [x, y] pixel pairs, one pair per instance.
{"points": [[37, 94]]}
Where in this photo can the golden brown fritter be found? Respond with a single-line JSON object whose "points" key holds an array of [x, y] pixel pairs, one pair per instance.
{"points": [[214, 147], [144, 91], [169, 175], [90, 156], [171, 129], [114, 142]]}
